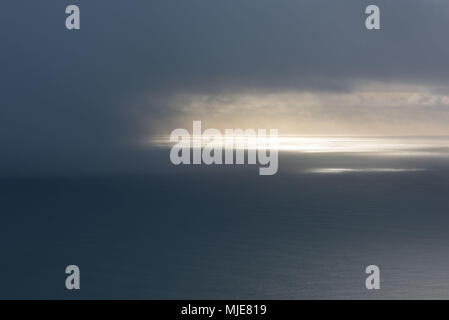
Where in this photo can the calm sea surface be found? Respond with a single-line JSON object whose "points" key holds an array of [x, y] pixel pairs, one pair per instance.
{"points": [[225, 232]]}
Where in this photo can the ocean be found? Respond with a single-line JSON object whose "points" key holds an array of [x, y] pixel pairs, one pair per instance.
{"points": [[224, 232]]}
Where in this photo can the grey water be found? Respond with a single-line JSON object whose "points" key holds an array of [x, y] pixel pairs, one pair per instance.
{"points": [[198, 232]]}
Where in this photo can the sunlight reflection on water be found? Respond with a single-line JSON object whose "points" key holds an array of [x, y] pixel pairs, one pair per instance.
{"points": [[393, 146], [361, 170]]}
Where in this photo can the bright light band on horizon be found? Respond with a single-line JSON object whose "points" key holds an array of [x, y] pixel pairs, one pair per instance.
{"points": [[320, 144]]}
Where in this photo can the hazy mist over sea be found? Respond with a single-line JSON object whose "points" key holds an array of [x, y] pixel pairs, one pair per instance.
{"points": [[356, 93]]}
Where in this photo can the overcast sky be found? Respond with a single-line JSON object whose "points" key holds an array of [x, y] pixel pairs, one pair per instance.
{"points": [[83, 98]]}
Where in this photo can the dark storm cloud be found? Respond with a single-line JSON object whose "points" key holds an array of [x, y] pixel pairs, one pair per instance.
{"points": [[74, 99]]}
